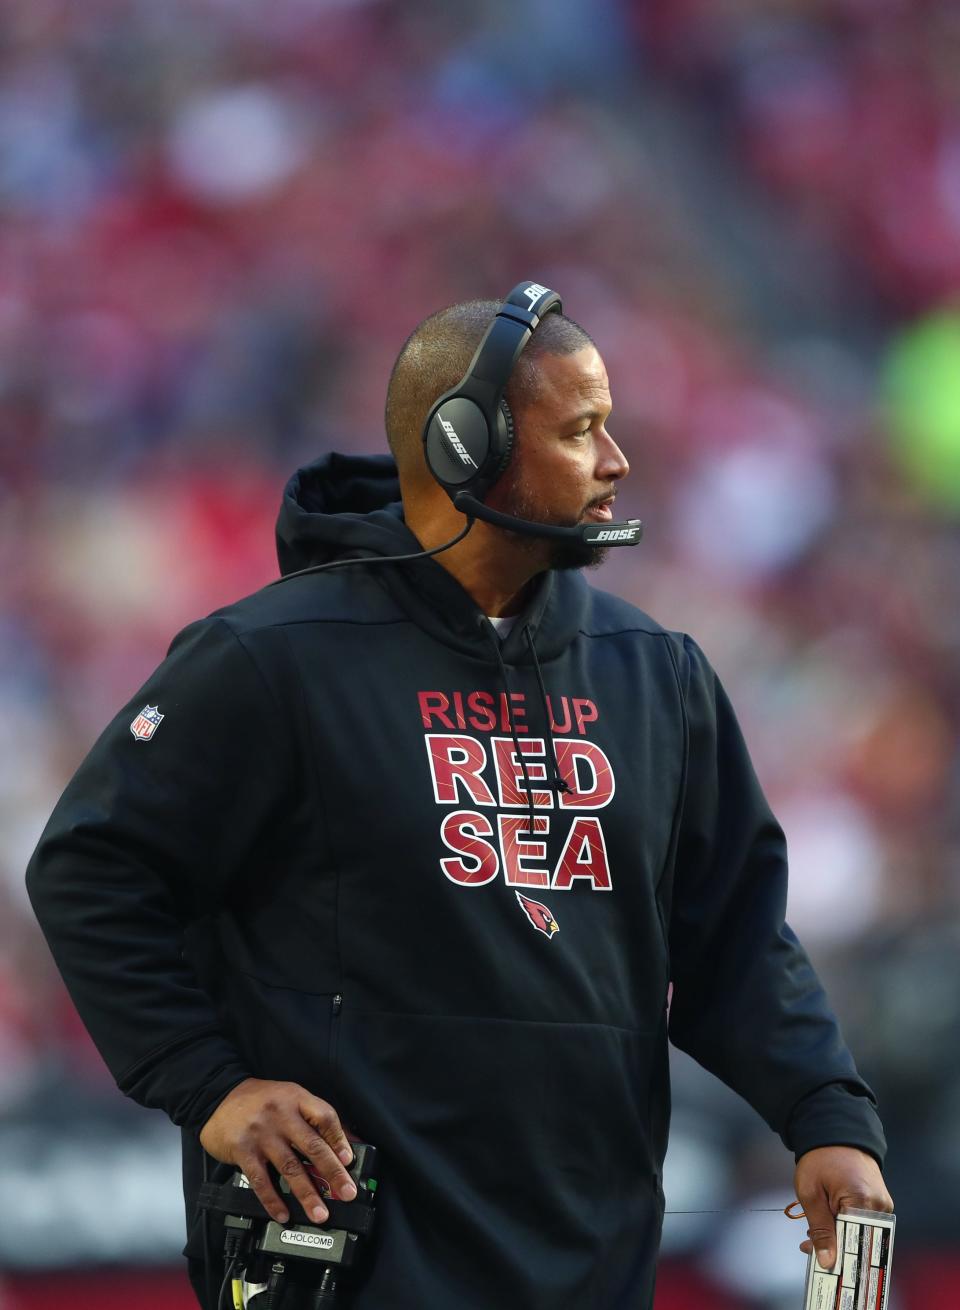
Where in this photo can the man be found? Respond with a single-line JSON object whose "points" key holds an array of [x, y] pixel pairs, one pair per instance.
{"points": [[417, 848]]}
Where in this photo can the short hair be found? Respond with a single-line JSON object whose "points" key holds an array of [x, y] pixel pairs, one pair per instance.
{"points": [[435, 357]]}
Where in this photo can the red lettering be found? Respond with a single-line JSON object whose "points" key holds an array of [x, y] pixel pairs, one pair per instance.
{"points": [[510, 782], [554, 725], [584, 711], [516, 849], [514, 707], [455, 760], [458, 708], [475, 861], [440, 704], [481, 703], [584, 855], [486, 712], [599, 791]]}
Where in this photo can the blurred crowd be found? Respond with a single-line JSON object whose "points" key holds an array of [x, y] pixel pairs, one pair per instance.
{"points": [[847, 109], [218, 222]]}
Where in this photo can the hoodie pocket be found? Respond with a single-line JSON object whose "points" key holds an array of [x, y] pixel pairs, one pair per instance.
{"points": [[555, 1111], [286, 1034], [516, 1151]]}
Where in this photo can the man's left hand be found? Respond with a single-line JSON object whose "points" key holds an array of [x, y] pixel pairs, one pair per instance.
{"points": [[831, 1178]]}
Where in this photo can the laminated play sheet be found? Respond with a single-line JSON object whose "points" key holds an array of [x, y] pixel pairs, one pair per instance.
{"points": [[860, 1279]]}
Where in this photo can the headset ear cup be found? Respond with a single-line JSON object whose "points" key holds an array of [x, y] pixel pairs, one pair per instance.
{"points": [[506, 436]]}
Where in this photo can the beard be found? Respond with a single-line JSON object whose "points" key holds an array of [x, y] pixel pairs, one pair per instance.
{"points": [[563, 555]]}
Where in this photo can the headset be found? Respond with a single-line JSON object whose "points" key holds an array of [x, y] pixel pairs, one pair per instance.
{"points": [[468, 436]]}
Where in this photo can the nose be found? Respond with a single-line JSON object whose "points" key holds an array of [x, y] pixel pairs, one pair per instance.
{"points": [[611, 461]]}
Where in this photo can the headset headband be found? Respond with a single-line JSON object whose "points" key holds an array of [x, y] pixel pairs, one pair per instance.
{"points": [[503, 342]]}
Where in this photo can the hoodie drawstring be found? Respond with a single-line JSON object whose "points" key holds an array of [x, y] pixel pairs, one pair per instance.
{"points": [[557, 783]]}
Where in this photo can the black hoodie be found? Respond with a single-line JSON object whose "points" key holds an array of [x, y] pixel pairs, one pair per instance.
{"points": [[316, 866]]}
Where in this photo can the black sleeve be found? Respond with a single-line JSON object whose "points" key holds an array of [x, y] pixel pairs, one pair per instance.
{"points": [[747, 1004], [144, 840]]}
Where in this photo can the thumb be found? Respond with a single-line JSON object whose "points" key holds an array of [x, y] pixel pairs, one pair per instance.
{"points": [[822, 1231]]}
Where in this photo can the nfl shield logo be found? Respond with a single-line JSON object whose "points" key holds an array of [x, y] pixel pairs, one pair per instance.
{"points": [[146, 723]]}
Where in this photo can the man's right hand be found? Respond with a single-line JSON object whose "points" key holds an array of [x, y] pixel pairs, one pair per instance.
{"points": [[261, 1122]]}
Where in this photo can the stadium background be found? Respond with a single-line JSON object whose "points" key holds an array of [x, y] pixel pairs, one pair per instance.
{"points": [[218, 221]]}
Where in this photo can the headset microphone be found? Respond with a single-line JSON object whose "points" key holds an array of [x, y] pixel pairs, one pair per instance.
{"points": [[627, 533]]}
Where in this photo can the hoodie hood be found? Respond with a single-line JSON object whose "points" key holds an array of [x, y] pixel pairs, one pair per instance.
{"points": [[340, 505], [349, 506]]}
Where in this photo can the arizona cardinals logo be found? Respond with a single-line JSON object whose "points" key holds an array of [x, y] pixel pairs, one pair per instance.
{"points": [[539, 915]]}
